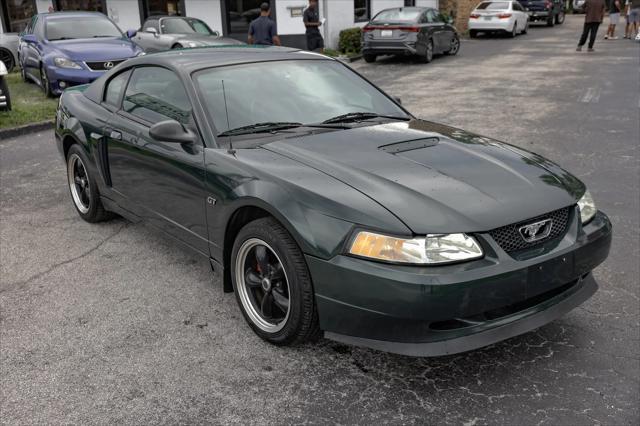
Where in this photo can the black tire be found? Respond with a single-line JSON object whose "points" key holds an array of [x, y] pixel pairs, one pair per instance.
{"points": [[7, 57], [455, 46], [551, 21], [177, 46], [23, 74], [526, 28], [473, 33], [301, 321], [560, 18], [369, 58], [428, 54], [514, 31], [95, 211], [4, 89], [44, 81]]}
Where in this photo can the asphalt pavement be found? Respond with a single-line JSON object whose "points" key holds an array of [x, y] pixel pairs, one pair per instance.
{"points": [[113, 323]]}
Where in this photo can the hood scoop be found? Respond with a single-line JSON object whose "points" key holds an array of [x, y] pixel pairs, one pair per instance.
{"points": [[395, 148]]}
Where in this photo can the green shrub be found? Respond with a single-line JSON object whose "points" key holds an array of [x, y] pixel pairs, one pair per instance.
{"points": [[350, 40]]}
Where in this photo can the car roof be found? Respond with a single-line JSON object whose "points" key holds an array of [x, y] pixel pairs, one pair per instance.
{"points": [[78, 13]]}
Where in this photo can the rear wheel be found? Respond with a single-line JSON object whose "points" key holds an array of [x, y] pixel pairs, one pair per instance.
{"points": [[514, 30], [369, 58], [428, 54], [7, 58], [473, 33], [526, 27], [23, 74], [272, 284], [454, 48], [83, 187]]}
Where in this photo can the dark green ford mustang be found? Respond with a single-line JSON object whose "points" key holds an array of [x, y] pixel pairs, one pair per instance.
{"points": [[326, 206]]}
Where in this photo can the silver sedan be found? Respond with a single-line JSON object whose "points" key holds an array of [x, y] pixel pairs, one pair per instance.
{"points": [[9, 50]]}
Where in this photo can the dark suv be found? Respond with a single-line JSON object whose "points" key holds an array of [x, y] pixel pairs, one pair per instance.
{"points": [[550, 11]]}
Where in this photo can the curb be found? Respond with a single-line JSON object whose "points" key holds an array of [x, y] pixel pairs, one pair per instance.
{"points": [[26, 129]]}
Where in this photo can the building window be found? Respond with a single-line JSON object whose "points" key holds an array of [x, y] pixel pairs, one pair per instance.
{"points": [[163, 7], [90, 5], [16, 14], [409, 3], [240, 13], [362, 10]]}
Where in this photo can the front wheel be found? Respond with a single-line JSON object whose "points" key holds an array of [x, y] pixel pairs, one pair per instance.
{"points": [[526, 27], [551, 21], [44, 81], [514, 31], [83, 187], [272, 284], [560, 18], [454, 47]]}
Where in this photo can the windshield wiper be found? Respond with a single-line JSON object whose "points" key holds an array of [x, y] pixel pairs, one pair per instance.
{"points": [[356, 116], [62, 38], [269, 126], [100, 36]]}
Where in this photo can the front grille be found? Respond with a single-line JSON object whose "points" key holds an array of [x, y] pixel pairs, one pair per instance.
{"points": [[509, 237], [102, 65]]}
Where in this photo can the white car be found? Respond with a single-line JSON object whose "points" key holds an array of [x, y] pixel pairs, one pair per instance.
{"points": [[5, 98], [502, 16]]}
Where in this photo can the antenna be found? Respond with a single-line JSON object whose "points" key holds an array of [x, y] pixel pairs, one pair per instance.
{"points": [[226, 111]]}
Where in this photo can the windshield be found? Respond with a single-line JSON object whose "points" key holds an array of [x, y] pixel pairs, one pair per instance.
{"points": [[287, 91], [184, 26], [398, 15], [70, 27], [493, 6]]}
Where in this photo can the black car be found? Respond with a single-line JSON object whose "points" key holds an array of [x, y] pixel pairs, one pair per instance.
{"points": [[550, 11], [415, 31], [332, 209]]}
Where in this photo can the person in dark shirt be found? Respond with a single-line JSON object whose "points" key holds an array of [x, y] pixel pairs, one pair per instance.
{"points": [[311, 18], [262, 30], [594, 13]]}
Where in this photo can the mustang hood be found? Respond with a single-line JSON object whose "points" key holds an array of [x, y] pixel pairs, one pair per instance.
{"points": [[437, 179], [98, 49]]}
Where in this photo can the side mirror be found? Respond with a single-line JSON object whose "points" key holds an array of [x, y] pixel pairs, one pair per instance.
{"points": [[152, 31], [131, 33], [29, 38], [397, 99], [215, 33], [171, 131]]}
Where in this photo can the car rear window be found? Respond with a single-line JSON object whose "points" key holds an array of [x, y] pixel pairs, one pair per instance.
{"points": [[491, 5], [398, 15]]}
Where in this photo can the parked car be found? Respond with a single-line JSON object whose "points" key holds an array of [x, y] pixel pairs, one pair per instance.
{"points": [[354, 219], [578, 6], [64, 49], [9, 50], [173, 32], [550, 11], [5, 96], [415, 31], [499, 16]]}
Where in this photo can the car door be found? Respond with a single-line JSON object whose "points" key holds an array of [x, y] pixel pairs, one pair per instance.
{"points": [[148, 38], [520, 15], [31, 48], [163, 182]]}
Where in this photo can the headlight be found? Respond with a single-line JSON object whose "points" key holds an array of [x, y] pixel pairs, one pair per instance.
{"points": [[66, 63], [587, 207], [430, 250]]}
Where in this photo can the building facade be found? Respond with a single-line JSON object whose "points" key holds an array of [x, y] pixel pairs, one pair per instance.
{"points": [[230, 17]]}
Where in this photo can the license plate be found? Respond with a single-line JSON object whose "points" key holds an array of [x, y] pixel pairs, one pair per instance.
{"points": [[386, 33], [487, 18]]}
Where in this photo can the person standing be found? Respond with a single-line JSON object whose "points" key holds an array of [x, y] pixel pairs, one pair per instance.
{"points": [[634, 18], [594, 13], [311, 19], [262, 30], [614, 17]]}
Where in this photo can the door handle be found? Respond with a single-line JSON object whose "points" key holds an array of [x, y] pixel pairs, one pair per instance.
{"points": [[115, 135]]}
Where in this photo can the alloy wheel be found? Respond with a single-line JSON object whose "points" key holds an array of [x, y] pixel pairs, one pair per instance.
{"points": [[44, 80], [429, 52], [455, 46], [79, 183], [560, 18], [263, 287]]}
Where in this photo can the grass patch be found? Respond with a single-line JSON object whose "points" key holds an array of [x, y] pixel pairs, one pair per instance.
{"points": [[28, 102]]}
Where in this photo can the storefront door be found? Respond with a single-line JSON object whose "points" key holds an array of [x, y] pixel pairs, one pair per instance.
{"points": [[238, 14], [16, 14]]}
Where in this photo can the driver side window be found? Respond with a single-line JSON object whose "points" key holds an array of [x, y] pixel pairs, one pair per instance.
{"points": [[115, 87], [151, 23]]}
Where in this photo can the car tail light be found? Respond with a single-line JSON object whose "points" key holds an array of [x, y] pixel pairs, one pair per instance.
{"points": [[474, 16], [392, 27], [504, 15], [367, 29], [410, 29]]}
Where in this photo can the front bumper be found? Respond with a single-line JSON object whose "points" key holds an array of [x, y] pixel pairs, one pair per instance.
{"points": [[431, 311], [69, 77]]}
